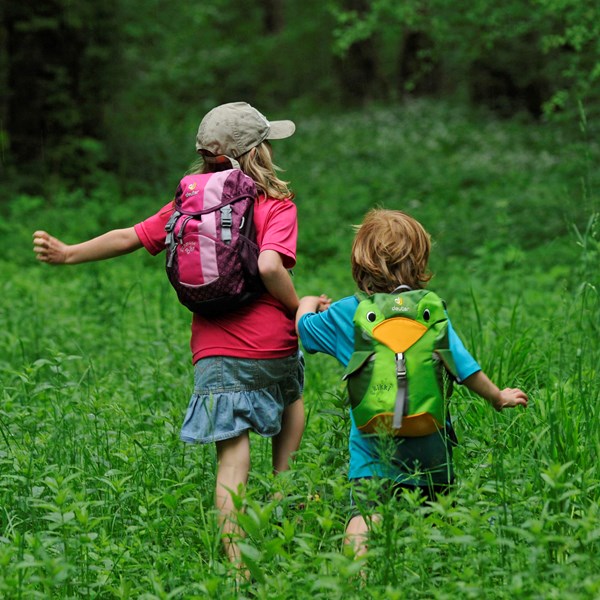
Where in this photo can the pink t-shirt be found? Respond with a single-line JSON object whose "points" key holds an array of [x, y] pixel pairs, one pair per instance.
{"points": [[263, 329]]}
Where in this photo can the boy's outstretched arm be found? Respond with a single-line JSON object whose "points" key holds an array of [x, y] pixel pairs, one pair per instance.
{"points": [[480, 383], [109, 245]]}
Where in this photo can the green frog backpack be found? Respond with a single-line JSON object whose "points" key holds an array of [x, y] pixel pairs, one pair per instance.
{"points": [[401, 371]]}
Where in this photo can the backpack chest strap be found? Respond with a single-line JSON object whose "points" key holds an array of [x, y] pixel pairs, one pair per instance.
{"points": [[226, 223], [400, 404]]}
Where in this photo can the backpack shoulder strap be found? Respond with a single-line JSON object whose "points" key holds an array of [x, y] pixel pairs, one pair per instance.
{"points": [[360, 295]]}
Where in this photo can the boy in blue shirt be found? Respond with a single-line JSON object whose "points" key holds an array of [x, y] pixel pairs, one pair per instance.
{"points": [[391, 249]]}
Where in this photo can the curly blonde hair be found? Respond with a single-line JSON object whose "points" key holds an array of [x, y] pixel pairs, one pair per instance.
{"points": [[390, 249], [257, 164]]}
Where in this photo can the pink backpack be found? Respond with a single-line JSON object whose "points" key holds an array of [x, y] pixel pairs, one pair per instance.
{"points": [[212, 255]]}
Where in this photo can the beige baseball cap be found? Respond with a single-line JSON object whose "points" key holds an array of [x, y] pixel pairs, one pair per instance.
{"points": [[235, 128]]}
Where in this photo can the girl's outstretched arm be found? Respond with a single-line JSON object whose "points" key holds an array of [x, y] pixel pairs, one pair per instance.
{"points": [[113, 243], [480, 383]]}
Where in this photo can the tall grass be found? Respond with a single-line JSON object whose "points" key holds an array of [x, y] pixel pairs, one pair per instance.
{"points": [[100, 499]]}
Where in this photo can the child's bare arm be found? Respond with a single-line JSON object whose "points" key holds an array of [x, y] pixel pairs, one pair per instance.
{"points": [[324, 303], [507, 398], [109, 245], [277, 280], [311, 304]]}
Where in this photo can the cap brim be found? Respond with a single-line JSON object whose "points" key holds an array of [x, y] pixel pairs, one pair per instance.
{"points": [[281, 129]]}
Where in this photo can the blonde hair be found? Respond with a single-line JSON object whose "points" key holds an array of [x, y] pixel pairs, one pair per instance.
{"points": [[257, 164], [390, 249]]}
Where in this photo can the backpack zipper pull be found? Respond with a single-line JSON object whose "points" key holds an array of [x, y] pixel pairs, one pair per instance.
{"points": [[400, 405]]}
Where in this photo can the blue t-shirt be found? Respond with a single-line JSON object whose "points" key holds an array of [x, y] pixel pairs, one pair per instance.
{"points": [[418, 461]]}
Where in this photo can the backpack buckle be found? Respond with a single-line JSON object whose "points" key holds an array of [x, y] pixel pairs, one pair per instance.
{"points": [[172, 220], [226, 223], [400, 366]]}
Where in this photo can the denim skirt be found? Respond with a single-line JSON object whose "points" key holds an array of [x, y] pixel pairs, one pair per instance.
{"points": [[233, 395]]}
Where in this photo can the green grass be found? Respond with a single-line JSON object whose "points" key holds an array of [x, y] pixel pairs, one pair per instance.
{"points": [[100, 499]]}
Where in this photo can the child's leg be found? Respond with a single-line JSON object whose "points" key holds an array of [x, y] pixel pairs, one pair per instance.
{"points": [[233, 458], [287, 441], [357, 532]]}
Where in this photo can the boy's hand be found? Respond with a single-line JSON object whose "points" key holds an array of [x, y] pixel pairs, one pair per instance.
{"points": [[480, 383], [49, 249], [510, 397]]}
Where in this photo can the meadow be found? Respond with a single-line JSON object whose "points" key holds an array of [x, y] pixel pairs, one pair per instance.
{"points": [[100, 499]]}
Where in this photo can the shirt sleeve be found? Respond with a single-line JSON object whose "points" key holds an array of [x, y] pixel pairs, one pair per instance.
{"points": [[466, 365], [280, 232], [331, 331], [151, 232]]}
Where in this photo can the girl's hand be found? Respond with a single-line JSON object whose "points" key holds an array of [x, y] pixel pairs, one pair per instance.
{"points": [[510, 397], [324, 303], [108, 245], [311, 304], [49, 249]]}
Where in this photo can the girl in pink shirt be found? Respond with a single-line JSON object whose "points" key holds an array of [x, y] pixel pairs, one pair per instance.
{"points": [[248, 372]]}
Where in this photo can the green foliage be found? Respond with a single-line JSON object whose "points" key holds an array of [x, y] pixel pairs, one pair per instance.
{"points": [[123, 84], [61, 58], [575, 39], [99, 497], [510, 55], [198, 55]]}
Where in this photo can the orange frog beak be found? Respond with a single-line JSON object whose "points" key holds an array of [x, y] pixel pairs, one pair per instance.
{"points": [[399, 333]]}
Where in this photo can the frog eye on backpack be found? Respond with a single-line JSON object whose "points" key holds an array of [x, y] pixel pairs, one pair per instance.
{"points": [[371, 316], [426, 315]]}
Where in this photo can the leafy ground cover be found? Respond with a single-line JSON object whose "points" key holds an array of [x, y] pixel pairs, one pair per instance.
{"points": [[100, 499]]}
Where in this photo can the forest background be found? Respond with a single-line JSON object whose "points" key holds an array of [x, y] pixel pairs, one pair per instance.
{"points": [[479, 118], [119, 85]]}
